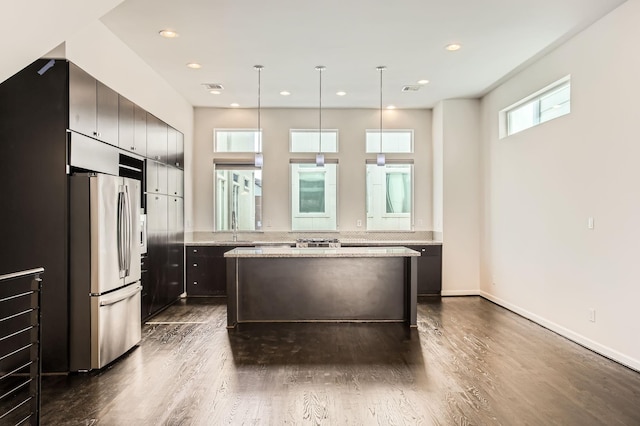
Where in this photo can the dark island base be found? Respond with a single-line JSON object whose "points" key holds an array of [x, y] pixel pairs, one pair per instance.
{"points": [[321, 290]]}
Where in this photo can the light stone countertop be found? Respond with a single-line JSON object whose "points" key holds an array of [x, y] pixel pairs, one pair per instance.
{"points": [[291, 252]]}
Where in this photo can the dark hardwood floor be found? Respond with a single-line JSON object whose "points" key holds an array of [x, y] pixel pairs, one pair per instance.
{"points": [[470, 362]]}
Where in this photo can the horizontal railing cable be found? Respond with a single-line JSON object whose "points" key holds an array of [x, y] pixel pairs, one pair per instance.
{"points": [[21, 339]]}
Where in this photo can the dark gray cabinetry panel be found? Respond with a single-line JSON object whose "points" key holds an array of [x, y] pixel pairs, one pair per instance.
{"points": [[132, 127], [175, 146], [157, 243], [157, 178], [175, 182], [206, 270], [145, 297], [34, 116], [180, 154], [172, 146], [140, 130], [106, 114], [165, 253], [175, 248], [83, 103], [429, 269], [157, 139], [93, 107]]}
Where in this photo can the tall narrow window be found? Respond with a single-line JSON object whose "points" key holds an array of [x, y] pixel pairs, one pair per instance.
{"points": [[390, 197], [314, 196], [238, 197]]}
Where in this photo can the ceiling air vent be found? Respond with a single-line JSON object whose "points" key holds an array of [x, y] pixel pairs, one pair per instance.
{"points": [[213, 86], [411, 88]]}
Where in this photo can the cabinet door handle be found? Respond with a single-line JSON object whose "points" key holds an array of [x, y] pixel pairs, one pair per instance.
{"points": [[195, 283], [195, 264], [195, 250]]}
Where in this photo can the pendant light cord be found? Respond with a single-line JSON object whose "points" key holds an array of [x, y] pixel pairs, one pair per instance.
{"points": [[320, 68], [381, 68], [259, 69]]}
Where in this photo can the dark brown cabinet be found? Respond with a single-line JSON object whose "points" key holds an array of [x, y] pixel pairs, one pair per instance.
{"points": [[206, 270], [157, 178], [157, 139], [175, 248], [157, 255], [175, 184], [106, 114], [93, 107], [82, 101], [175, 147], [429, 269], [132, 127]]}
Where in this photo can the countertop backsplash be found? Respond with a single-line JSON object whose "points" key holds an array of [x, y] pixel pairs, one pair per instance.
{"points": [[347, 237]]}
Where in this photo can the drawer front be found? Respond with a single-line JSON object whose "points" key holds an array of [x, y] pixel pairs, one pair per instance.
{"points": [[206, 270]]}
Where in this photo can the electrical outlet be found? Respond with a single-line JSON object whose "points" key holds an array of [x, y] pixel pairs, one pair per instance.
{"points": [[358, 223], [590, 223], [592, 315]]}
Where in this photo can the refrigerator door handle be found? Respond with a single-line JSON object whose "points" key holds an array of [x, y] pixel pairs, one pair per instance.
{"points": [[115, 300], [121, 226], [128, 223]]}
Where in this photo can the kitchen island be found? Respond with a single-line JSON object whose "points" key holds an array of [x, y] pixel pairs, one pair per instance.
{"points": [[346, 284]]}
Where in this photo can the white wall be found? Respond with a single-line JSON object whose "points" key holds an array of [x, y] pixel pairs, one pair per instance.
{"points": [[276, 124], [457, 147], [542, 184], [32, 28]]}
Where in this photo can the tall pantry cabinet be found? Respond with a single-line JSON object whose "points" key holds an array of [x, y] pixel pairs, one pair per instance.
{"points": [[39, 107]]}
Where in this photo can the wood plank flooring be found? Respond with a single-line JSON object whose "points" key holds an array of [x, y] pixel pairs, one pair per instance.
{"points": [[470, 362]]}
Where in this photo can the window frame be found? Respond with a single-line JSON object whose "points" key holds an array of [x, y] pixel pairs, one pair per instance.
{"points": [[325, 215], [534, 98], [241, 184], [257, 132], [327, 131], [389, 131], [384, 214]]}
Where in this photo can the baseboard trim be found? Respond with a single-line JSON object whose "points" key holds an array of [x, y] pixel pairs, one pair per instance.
{"points": [[605, 351], [460, 293]]}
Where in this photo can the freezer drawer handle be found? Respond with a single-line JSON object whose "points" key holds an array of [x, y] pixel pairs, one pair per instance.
{"points": [[107, 302]]}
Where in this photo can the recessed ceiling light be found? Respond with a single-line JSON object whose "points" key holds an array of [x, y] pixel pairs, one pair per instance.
{"points": [[235, 105], [391, 107], [453, 47], [285, 93], [341, 93], [215, 92], [168, 33], [194, 65], [423, 82]]}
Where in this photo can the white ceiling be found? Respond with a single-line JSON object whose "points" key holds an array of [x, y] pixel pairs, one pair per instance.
{"points": [[349, 37]]}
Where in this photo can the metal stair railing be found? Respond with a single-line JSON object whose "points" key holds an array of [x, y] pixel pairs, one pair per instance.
{"points": [[20, 351]]}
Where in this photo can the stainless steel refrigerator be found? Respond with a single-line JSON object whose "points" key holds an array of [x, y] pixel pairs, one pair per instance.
{"points": [[104, 268]]}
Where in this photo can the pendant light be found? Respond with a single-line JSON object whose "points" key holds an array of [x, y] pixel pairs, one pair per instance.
{"points": [[320, 155], [258, 158], [380, 160]]}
